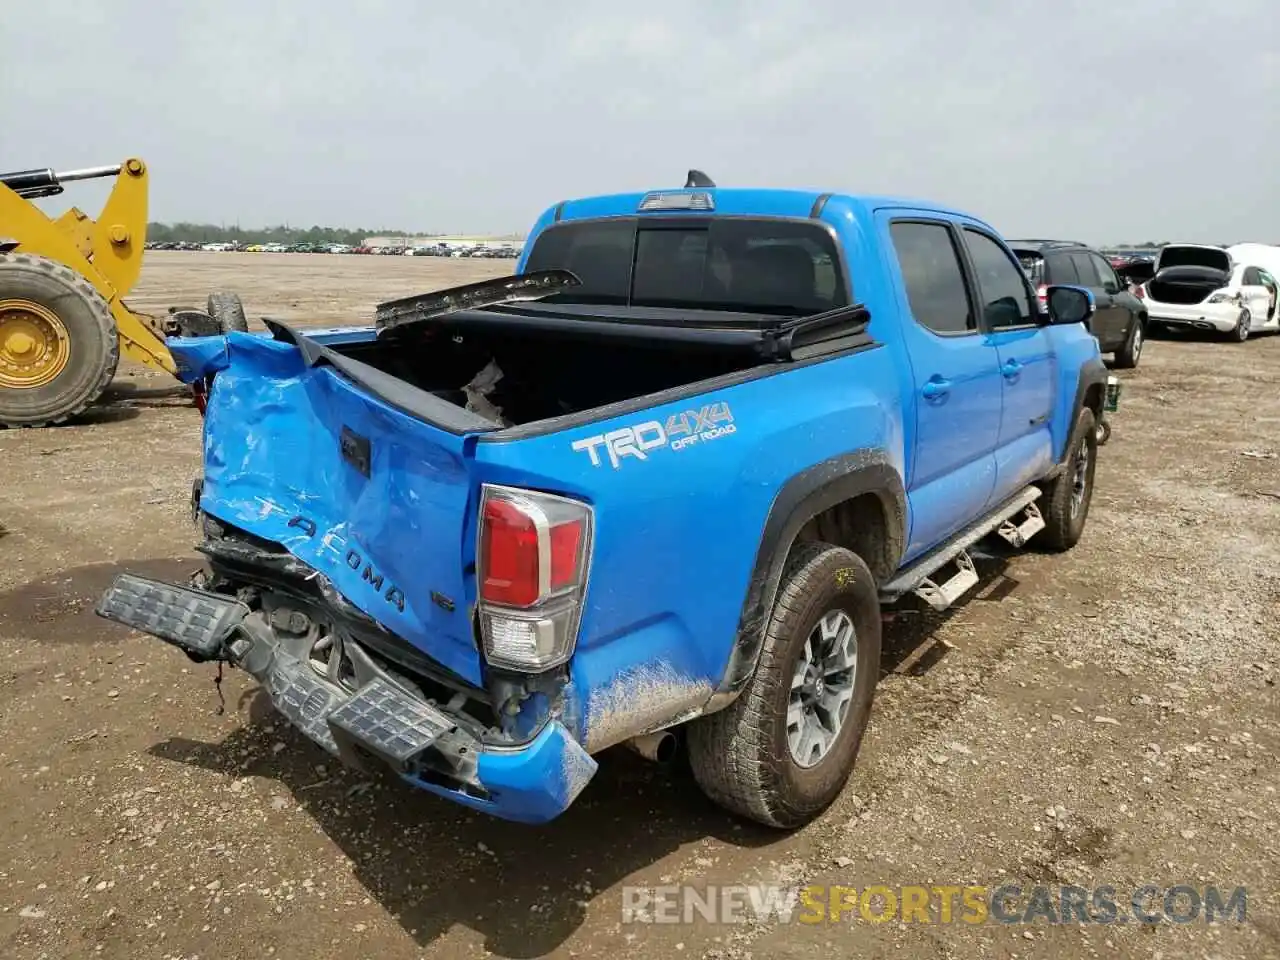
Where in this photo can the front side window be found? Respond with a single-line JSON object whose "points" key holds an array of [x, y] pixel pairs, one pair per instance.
{"points": [[1004, 298], [1106, 273]]}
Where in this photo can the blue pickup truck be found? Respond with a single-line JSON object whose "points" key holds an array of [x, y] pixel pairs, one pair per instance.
{"points": [[651, 490]]}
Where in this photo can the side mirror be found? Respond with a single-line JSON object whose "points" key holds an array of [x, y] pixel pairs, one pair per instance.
{"points": [[1070, 304], [1112, 287]]}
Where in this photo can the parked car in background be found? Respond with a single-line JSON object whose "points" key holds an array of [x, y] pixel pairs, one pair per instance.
{"points": [[1230, 291], [1119, 324]]}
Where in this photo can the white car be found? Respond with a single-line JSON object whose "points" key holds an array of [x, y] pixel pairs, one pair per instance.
{"points": [[1226, 290]]}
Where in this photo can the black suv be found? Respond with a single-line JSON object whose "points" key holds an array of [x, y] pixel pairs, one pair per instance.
{"points": [[1120, 321]]}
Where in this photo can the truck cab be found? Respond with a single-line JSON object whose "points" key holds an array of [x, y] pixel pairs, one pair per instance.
{"points": [[985, 387]]}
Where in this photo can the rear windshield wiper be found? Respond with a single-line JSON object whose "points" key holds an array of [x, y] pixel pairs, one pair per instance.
{"points": [[472, 296]]}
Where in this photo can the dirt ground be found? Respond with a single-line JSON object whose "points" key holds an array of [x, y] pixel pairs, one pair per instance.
{"points": [[1108, 716]]}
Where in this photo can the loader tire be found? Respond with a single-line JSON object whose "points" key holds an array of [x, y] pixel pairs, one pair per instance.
{"points": [[59, 347], [756, 757], [227, 309]]}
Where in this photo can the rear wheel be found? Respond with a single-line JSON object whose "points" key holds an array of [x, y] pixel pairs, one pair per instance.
{"points": [[1128, 355], [783, 751], [1240, 333], [227, 309], [58, 343]]}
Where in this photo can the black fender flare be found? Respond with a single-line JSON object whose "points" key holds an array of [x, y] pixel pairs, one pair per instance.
{"points": [[1093, 373], [798, 501]]}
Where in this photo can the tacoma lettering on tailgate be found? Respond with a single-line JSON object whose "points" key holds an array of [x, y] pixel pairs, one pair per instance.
{"points": [[353, 559]]}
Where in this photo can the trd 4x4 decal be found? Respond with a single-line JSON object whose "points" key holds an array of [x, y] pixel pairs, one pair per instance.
{"points": [[681, 430]]}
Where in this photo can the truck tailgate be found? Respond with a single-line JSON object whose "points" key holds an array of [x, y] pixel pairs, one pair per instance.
{"points": [[374, 499]]}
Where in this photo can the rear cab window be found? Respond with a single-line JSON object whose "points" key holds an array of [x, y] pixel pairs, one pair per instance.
{"points": [[739, 264]]}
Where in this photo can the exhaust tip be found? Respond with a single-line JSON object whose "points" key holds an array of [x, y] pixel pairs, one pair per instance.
{"points": [[659, 747]]}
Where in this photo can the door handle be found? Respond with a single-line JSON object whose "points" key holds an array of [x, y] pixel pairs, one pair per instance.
{"points": [[1011, 369], [936, 388]]}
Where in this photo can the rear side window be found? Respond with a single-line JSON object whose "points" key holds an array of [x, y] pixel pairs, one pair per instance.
{"points": [[1005, 301], [933, 277], [741, 264], [1061, 269], [1087, 269]]}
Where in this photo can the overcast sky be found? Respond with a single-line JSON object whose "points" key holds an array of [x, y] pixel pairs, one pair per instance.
{"points": [[1101, 120]]}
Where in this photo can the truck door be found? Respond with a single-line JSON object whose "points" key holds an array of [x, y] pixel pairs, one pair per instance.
{"points": [[1028, 367], [956, 380]]}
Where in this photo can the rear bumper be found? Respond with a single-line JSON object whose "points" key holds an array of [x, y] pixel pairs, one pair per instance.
{"points": [[1221, 317], [374, 717]]}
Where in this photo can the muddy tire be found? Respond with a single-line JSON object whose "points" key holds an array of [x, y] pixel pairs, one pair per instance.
{"points": [[227, 309], [784, 749], [1128, 355], [1066, 499], [59, 347]]}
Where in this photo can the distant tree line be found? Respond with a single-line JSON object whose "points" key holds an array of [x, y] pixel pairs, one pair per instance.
{"points": [[214, 233]]}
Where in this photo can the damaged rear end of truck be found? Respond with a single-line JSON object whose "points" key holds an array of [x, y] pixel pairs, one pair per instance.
{"points": [[341, 513], [410, 546]]}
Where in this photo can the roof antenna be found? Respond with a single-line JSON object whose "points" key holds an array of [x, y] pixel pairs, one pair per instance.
{"points": [[698, 179]]}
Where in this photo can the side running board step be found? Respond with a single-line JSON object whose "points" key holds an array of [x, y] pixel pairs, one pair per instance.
{"points": [[1019, 531], [941, 596], [1017, 520]]}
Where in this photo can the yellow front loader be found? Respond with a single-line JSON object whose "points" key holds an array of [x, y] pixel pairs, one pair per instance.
{"points": [[63, 319]]}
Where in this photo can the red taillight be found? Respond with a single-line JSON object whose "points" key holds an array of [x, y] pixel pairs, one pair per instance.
{"points": [[566, 542], [1140, 292], [534, 551], [1042, 292], [509, 555], [512, 548]]}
